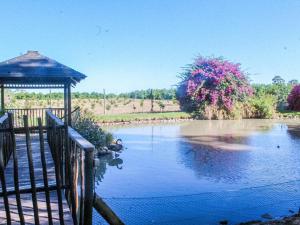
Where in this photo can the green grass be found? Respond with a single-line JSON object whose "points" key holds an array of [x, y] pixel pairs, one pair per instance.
{"points": [[141, 117], [289, 113]]}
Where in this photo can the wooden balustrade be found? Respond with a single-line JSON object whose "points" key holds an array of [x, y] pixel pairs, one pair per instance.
{"points": [[5, 152], [74, 159], [78, 173], [5, 140], [73, 178], [32, 115]]}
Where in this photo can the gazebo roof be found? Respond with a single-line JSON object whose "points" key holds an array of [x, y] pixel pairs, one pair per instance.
{"points": [[33, 70]]}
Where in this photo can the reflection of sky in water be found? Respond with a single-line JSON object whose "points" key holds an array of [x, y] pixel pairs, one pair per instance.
{"points": [[181, 159]]}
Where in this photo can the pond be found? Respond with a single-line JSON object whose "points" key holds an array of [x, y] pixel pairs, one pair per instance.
{"points": [[203, 172]]}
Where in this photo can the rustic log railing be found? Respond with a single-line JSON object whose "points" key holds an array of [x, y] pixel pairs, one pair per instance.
{"points": [[78, 174], [20, 188], [73, 159], [5, 152], [32, 115], [105, 211], [5, 140]]}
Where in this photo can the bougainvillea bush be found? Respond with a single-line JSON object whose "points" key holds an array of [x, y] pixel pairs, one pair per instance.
{"points": [[294, 98], [213, 84]]}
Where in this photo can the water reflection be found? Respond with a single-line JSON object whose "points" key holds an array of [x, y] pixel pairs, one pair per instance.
{"points": [[294, 130], [112, 159], [204, 170], [244, 152], [219, 150], [224, 135], [241, 152], [213, 164]]}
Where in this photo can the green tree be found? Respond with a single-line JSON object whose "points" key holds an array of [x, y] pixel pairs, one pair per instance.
{"points": [[293, 82], [161, 105], [278, 80]]}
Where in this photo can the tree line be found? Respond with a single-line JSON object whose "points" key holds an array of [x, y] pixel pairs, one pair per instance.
{"points": [[279, 88], [159, 94]]}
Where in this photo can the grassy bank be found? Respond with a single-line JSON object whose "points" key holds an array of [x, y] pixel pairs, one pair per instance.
{"points": [[141, 117], [289, 114], [131, 117]]}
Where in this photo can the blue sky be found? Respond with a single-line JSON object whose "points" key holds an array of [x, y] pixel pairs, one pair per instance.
{"points": [[127, 45]]}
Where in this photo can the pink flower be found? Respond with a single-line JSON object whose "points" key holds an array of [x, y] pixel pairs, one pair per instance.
{"points": [[294, 98], [217, 82]]}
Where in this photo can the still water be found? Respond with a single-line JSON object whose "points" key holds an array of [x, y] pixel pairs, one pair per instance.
{"points": [[203, 172]]}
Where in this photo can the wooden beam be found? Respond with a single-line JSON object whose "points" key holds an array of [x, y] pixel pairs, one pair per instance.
{"points": [[2, 98], [106, 212], [32, 86], [16, 170], [88, 186], [66, 178], [69, 105], [66, 116], [44, 166], [31, 172]]}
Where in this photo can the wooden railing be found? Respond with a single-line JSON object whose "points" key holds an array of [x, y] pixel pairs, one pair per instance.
{"points": [[32, 115], [6, 148], [77, 173], [5, 140], [105, 211], [75, 160]]}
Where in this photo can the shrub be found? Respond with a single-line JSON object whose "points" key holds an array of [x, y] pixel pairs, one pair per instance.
{"points": [[263, 107], [279, 91], [212, 83], [142, 103], [161, 105], [91, 131], [108, 107], [294, 98]]}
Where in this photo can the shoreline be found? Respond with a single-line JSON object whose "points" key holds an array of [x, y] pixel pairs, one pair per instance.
{"points": [[145, 121], [174, 120], [293, 219], [174, 116]]}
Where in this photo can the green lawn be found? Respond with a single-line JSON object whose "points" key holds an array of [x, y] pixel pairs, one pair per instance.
{"points": [[141, 116], [288, 113]]}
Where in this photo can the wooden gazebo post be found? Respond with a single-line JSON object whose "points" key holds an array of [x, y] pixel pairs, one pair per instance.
{"points": [[67, 104], [2, 98]]}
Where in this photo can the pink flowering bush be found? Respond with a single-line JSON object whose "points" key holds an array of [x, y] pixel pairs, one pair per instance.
{"points": [[214, 83], [294, 98]]}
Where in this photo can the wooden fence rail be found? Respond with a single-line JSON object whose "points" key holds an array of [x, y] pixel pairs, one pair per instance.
{"points": [[75, 161], [5, 152], [5, 140], [32, 115]]}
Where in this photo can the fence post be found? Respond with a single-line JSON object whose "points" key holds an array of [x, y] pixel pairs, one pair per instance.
{"points": [[2, 99], [88, 185]]}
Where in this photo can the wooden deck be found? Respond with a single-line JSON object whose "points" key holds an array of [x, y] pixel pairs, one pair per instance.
{"points": [[24, 181]]}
